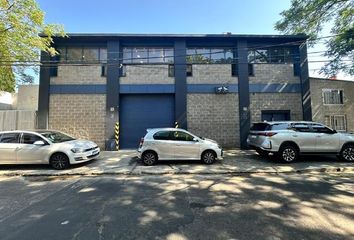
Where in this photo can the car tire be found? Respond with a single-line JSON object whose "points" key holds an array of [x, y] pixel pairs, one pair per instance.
{"points": [[347, 153], [208, 157], [262, 153], [59, 161], [149, 158], [288, 154]]}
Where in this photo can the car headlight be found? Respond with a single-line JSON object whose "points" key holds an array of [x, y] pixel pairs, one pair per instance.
{"points": [[77, 150]]}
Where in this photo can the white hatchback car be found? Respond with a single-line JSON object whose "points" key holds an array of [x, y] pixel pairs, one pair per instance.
{"points": [[177, 144], [45, 147]]}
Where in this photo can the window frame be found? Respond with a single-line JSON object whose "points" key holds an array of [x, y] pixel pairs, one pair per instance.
{"points": [[340, 90], [169, 135], [331, 120], [18, 137], [183, 132], [41, 138]]}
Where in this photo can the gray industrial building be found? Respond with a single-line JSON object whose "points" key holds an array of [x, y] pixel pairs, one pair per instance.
{"points": [[214, 85]]}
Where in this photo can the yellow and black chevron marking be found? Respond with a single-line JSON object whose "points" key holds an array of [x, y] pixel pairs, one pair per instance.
{"points": [[176, 124], [116, 132]]}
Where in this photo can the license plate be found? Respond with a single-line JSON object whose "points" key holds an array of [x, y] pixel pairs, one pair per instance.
{"points": [[253, 136]]}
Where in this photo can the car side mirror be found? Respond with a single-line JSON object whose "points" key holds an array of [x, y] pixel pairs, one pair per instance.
{"points": [[334, 131], [39, 143], [195, 139]]}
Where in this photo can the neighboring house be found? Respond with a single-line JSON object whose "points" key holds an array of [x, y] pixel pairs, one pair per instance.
{"points": [[18, 110], [213, 85], [333, 103]]}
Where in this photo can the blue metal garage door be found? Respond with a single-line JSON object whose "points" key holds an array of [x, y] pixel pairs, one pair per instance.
{"points": [[139, 112]]}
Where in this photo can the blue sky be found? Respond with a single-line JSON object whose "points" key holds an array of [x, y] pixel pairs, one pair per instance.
{"points": [[165, 16], [172, 16]]}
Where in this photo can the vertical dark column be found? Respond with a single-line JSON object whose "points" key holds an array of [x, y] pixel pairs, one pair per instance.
{"points": [[305, 83], [180, 83], [243, 92], [43, 98], [112, 92]]}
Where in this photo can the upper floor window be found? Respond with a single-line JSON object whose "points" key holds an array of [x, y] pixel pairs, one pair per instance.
{"points": [[332, 96], [270, 55], [82, 54], [147, 55], [209, 55]]}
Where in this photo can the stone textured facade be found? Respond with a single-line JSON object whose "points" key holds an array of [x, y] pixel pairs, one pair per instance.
{"points": [[319, 110], [78, 75], [275, 101], [211, 74], [214, 116], [273, 73], [80, 115], [147, 74]]}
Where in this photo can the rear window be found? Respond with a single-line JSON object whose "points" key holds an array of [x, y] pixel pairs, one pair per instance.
{"points": [[260, 127], [162, 135], [9, 138], [280, 126]]}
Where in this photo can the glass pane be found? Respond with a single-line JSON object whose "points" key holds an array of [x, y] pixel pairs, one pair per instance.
{"points": [[103, 55], [9, 138], [140, 55], [182, 136], [169, 55], [190, 55], [74, 54], [127, 55], [202, 55], [91, 54], [30, 138], [229, 56], [62, 54], [217, 55], [251, 57], [261, 56], [277, 55], [288, 58], [156, 55]]}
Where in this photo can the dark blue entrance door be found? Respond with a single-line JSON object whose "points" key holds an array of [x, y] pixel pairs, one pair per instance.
{"points": [[141, 111]]}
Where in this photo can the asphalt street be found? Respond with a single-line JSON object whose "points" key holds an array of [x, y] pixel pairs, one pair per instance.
{"points": [[254, 206]]}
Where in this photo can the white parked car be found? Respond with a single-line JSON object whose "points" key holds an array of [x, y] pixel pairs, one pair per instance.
{"points": [[45, 147], [177, 144], [290, 139]]}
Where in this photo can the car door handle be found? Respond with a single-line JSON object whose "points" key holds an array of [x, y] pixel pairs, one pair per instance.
{"points": [[178, 145], [294, 135], [318, 136]]}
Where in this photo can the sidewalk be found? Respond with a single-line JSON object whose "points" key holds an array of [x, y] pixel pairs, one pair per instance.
{"points": [[235, 162]]}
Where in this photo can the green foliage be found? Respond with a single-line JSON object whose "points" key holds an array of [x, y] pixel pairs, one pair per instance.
{"points": [[310, 16], [21, 22]]}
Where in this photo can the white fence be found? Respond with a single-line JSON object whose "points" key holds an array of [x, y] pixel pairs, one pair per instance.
{"points": [[17, 120]]}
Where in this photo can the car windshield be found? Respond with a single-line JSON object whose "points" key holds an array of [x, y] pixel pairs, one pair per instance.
{"points": [[56, 137]]}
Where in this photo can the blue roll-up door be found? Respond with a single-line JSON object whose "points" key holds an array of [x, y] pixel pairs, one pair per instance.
{"points": [[139, 112]]}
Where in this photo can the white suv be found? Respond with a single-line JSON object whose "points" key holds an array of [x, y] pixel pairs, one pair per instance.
{"points": [[177, 144], [289, 139]]}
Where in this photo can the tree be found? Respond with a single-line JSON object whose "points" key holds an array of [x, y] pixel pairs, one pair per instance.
{"points": [[310, 17], [21, 23]]}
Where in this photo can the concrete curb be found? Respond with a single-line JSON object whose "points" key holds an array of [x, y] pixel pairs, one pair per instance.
{"points": [[182, 172]]}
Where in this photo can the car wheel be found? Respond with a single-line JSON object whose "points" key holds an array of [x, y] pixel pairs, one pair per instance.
{"points": [[347, 153], [208, 157], [288, 154], [149, 158], [59, 161], [262, 153]]}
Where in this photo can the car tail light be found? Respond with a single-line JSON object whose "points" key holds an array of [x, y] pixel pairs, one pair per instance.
{"points": [[141, 142], [267, 134]]}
